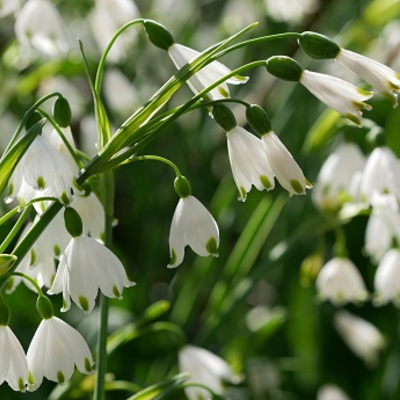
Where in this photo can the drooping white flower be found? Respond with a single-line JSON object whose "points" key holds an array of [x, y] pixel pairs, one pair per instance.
{"points": [[363, 338], [381, 174], [39, 27], [383, 226], [182, 55], [85, 267], [55, 350], [387, 278], [379, 76], [13, 365], [340, 282], [285, 168], [248, 161], [41, 172], [205, 368], [193, 225], [91, 211], [338, 94], [336, 177], [331, 392]]}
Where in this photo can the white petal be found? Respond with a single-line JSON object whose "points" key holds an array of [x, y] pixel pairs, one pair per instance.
{"points": [[177, 239]]}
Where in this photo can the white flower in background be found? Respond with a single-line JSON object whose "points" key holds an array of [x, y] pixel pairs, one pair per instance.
{"points": [[41, 172], [381, 174], [85, 267], [205, 368], [363, 338], [291, 10], [331, 392], [336, 177], [248, 161], [285, 168], [91, 211], [54, 351], [13, 365], [8, 7], [40, 28], [387, 278], [106, 18], [120, 94], [342, 96], [340, 282], [379, 76], [383, 226], [193, 225], [182, 55]]}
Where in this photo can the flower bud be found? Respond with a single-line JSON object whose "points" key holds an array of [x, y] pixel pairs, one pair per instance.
{"points": [[318, 46], [285, 68], [44, 307], [73, 222], [62, 112], [6, 261], [182, 187], [224, 117], [158, 34], [258, 119]]}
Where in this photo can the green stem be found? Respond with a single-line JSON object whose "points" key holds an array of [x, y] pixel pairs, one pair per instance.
{"points": [[15, 229], [155, 158], [31, 280], [10, 214]]}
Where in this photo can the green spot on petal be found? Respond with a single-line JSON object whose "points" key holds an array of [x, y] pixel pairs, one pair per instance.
{"points": [[33, 258], [88, 365], [57, 251], [64, 304], [41, 183], [212, 247], [173, 257], [21, 384], [84, 303], [242, 194], [296, 186], [354, 119], [65, 199], [31, 381], [10, 284], [265, 182], [223, 91], [60, 378], [10, 189], [116, 292]]}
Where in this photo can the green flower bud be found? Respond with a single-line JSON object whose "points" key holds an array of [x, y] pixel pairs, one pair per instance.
{"points": [[224, 117], [258, 119], [33, 119], [73, 222], [6, 261], [4, 314], [318, 46], [158, 34], [285, 68], [44, 307], [182, 187], [62, 112]]}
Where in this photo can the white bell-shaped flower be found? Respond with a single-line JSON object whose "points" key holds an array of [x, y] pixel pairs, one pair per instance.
{"points": [[340, 282], [285, 168], [331, 392], [182, 55], [85, 267], [248, 161], [55, 350], [41, 172], [193, 225], [383, 226], [39, 27], [379, 76], [381, 174], [205, 368], [13, 365], [363, 338], [342, 96], [387, 279], [336, 177]]}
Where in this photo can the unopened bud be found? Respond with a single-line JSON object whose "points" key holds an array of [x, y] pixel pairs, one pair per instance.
{"points": [[44, 307], [318, 46], [258, 119], [73, 222], [224, 117], [158, 34], [285, 68], [182, 187], [62, 112]]}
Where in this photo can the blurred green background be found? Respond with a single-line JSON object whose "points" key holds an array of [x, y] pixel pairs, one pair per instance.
{"points": [[256, 304]]}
